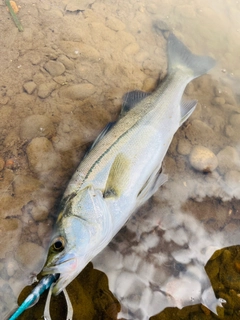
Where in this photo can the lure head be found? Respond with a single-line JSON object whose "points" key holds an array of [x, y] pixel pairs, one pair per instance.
{"points": [[81, 233]]}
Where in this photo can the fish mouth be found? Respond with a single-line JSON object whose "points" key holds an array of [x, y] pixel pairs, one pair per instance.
{"points": [[66, 269]]}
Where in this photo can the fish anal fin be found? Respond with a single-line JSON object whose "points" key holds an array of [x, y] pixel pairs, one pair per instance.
{"points": [[187, 108], [153, 183], [131, 98], [118, 175]]}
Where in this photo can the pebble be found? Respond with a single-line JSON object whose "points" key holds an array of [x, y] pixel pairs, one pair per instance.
{"points": [[2, 163], [30, 255], [66, 62], [36, 126], [228, 159], [45, 89], [55, 68], [78, 91], [41, 156], [184, 147], [203, 159], [29, 87]]}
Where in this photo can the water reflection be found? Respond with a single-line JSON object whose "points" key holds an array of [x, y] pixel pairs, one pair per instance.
{"points": [[61, 81]]}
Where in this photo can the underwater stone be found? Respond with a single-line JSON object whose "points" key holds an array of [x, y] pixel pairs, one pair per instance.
{"points": [[199, 131], [66, 62], [78, 91], [55, 68], [41, 155], [45, 89], [29, 87], [203, 159], [30, 255], [36, 126], [184, 147], [228, 159]]}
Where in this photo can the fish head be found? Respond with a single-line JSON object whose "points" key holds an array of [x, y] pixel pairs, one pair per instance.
{"points": [[68, 253], [82, 230]]}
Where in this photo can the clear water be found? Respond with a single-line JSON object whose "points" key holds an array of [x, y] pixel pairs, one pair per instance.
{"points": [[108, 48]]}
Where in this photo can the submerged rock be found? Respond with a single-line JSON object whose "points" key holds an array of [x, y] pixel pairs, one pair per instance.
{"points": [[36, 126], [203, 159], [41, 155], [55, 68], [228, 159]]}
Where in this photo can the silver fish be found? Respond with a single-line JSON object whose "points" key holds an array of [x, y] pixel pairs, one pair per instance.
{"points": [[123, 169]]}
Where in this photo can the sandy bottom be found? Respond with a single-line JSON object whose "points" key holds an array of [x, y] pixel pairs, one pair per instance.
{"points": [[62, 80]]}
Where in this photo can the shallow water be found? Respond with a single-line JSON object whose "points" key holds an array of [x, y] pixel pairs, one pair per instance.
{"points": [[62, 81]]}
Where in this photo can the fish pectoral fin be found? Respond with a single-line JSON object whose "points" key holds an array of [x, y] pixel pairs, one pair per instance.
{"points": [[156, 180], [131, 98], [187, 108], [118, 175]]}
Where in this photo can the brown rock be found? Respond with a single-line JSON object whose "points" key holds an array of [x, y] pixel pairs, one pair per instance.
{"points": [[41, 155], [30, 256], [55, 68], [45, 89], [66, 62], [36, 126], [29, 87], [184, 147], [199, 132], [78, 91]]}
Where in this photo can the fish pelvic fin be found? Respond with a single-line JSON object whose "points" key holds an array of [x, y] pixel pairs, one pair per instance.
{"points": [[187, 108], [180, 57]]}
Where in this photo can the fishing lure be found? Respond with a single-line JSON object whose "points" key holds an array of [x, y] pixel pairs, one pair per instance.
{"points": [[44, 284]]}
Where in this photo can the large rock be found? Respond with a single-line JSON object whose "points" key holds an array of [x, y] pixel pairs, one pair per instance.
{"points": [[36, 126], [41, 156]]}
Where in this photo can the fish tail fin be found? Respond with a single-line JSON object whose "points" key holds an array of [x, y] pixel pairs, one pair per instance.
{"points": [[180, 57]]}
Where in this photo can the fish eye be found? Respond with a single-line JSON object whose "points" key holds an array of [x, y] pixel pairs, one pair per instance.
{"points": [[59, 244]]}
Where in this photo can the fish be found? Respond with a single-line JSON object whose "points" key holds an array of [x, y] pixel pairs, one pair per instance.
{"points": [[123, 169]]}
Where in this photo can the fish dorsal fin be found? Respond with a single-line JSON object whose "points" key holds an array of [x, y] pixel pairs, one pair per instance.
{"points": [[117, 177], [187, 108], [107, 128], [154, 182], [131, 98]]}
